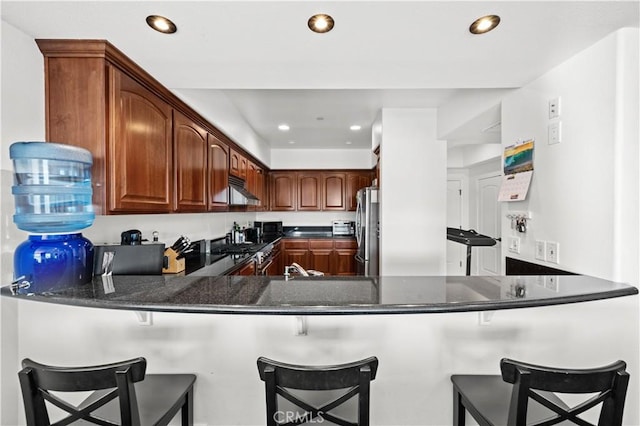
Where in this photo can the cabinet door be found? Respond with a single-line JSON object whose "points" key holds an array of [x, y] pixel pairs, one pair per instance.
{"points": [[355, 181], [283, 191], [237, 164], [252, 181], [344, 257], [260, 190], [333, 191], [299, 256], [140, 146], [190, 164], [309, 191], [246, 270], [218, 174], [321, 255]]}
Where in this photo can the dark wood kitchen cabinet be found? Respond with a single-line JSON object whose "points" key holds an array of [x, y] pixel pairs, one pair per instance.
{"points": [[283, 189], [218, 184], [296, 250], [333, 191], [99, 99], [344, 257], [238, 164], [331, 256], [356, 181], [140, 146], [93, 104], [190, 165], [309, 185], [261, 190], [321, 255]]}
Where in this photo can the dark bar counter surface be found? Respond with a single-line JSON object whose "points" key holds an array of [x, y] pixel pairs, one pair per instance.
{"points": [[326, 295]]}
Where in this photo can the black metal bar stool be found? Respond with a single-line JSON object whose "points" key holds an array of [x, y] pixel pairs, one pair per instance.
{"points": [[284, 379], [525, 394], [123, 394]]}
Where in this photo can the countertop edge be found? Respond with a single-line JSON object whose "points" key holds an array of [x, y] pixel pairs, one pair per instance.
{"points": [[328, 310]]}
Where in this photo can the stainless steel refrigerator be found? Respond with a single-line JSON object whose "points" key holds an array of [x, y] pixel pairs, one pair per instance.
{"points": [[367, 231]]}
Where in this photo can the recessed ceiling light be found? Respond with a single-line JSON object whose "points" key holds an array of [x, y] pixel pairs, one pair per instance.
{"points": [[484, 24], [355, 127], [161, 24], [292, 142], [321, 23], [283, 127], [348, 142]]}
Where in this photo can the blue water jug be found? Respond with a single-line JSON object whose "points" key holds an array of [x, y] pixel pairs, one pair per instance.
{"points": [[53, 262], [52, 187]]}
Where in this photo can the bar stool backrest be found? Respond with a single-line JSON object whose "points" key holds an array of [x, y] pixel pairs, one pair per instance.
{"points": [[117, 379], [352, 379], [609, 383]]}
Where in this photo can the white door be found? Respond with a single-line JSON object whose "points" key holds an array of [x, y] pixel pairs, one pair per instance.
{"points": [[456, 254], [488, 258]]}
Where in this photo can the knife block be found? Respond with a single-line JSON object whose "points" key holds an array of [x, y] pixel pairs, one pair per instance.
{"points": [[173, 264]]}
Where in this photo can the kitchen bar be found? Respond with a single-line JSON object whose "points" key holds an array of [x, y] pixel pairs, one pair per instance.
{"points": [[325, 295]]}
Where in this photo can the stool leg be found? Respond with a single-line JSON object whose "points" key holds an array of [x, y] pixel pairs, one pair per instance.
{"points": [[187, 409], [458, 409]]}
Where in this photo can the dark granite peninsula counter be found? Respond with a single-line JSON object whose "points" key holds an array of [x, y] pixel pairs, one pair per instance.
{"points": [[328, 295]]}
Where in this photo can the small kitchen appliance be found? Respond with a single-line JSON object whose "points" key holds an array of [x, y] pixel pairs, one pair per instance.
{"points": [[342, 227], [367, 231], [270, 230], [52, 192]]}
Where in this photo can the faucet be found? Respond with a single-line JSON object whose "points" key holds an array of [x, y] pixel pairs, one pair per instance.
{"points": [[294, 267]]}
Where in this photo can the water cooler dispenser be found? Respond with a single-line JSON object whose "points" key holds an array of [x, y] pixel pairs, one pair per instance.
{"points": [[52, 193]]}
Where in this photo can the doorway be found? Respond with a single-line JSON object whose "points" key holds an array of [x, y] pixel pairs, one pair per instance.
{"points": [[489, 223], [456, 254]]}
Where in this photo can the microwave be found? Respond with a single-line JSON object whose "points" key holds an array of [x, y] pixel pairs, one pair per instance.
{"points": [[270, 229], [342, 227]]}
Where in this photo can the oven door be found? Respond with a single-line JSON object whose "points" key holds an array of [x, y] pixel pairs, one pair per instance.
{"points": [[263, 268]]}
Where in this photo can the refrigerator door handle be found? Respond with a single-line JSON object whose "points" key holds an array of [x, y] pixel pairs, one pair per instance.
{"points": [[358, 221]]}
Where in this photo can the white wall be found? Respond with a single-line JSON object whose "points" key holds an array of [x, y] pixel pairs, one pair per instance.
{"points": [[22, 118], [282, 159], [413, 194], [584, 192]]}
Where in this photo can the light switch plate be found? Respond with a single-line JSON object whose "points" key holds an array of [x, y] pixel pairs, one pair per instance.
{"points": [[554, 108]]}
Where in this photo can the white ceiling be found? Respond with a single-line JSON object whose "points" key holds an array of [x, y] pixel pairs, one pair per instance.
{"points": [[262, 57]]}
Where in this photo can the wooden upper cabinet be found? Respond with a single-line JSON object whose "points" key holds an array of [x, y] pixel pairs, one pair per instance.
{"points": [[282, 191], [356, 181], [139, 146], [237, 164], [218, 187], [261, 190], [190, 165], [309, 191], [333, 191]]}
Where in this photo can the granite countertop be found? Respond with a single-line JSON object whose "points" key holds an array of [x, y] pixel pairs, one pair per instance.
{"points": [[199, 293]]}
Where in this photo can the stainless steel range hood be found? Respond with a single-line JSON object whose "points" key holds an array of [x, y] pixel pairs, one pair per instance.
{"points": [[238, 195]]}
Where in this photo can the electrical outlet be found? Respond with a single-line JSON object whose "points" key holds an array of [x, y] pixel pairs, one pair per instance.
{"points": [[540, 250], [551, 282], [555, 133], [553, 252], [514, 244]]}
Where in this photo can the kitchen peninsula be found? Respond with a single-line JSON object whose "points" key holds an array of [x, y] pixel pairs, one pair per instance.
{"points": [[327, 295]]}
